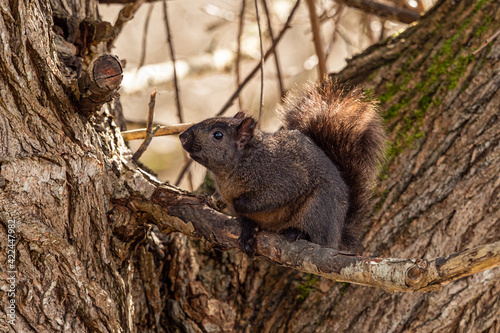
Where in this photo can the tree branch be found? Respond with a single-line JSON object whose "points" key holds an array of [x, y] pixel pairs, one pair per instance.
{"points": [[261, 101], [172, 57], [124, 2], [279, 77], [381, 10], [257, 67], [163, 130], [489, 40], [237, 65], [142, 60], [318, 43], [125, 15], [384, 11], [180, 115], [149, 130], [173, 210]]}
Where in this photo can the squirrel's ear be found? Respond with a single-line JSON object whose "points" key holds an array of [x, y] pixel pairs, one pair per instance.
{"points": [[245, 132], [240, 115]]}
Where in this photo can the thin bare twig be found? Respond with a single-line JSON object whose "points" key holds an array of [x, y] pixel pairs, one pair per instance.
{"points": [[238, 51], [396, 14], [261, 105], [150, 133], [172, 57], [256, 68], [163, 130], [318, 44], [145, 35], [384, 11], [365, 22], [125, 15], [382, 30], [336, 18], [489, 40], [121, 2], [276, 58], [247, 79], [184, 169], [346, 39], [144, 145], [420, 6], [176, 86]]}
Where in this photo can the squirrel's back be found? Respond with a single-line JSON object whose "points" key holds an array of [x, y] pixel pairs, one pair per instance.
{"points": [[347, 127]]}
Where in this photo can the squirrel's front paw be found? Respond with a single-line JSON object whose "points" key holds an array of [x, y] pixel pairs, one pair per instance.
{"points": [[248, 245], [248, 237]]}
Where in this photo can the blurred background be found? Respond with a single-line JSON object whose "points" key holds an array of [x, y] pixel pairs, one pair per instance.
{"points": [[213, 40]]}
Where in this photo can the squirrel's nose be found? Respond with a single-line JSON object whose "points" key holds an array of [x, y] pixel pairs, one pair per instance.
{"points": [[186, 139]]}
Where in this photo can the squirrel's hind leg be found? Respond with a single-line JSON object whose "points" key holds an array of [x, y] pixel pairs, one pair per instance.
{"points": [[294, 234]]}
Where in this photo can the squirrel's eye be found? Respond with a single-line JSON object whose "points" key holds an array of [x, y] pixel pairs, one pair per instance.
{"points": [[218, 135]]}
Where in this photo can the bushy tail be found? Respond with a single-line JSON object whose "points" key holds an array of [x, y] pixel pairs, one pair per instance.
{"points": [[348, 128]]}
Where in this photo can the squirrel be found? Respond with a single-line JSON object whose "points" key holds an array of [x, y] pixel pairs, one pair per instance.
{"points": [[311, 180]]}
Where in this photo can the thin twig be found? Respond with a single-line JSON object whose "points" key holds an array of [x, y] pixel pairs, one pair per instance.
{"points": [[384, 11], [318, 45], [346, 39], [276, 58], [247, 79], [382, 30], [145, 35], [121, 2], [489, 40], [163, 130], [184, 169], [365, 22], [150, 133], [125, 15], [238, 51], [144, 145], [381, 10], [420, 6], [172, 57], [256, 68], [176, 84], [336, 18], [261, 105]]}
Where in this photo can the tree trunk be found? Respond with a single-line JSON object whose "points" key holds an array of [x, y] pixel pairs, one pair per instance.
{"points": [[82, 250]]}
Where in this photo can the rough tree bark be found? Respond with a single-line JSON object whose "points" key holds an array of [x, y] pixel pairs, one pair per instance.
{"points": [[89, 254]]}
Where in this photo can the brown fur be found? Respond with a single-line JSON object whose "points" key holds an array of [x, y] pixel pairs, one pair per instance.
{"points": [[312, 180]]}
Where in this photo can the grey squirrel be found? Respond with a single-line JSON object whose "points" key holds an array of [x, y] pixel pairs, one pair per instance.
{"points": [[311, 180]]}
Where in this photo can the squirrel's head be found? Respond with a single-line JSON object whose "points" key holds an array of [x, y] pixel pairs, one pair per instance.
{"points": [[217, 143]]}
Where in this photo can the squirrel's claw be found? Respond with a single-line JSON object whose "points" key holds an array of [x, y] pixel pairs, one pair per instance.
{"points": [[248, 246], [294, 234], [248, 237]]}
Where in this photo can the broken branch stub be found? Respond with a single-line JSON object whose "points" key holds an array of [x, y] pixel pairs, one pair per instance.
{"points": [[99, 84]]}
